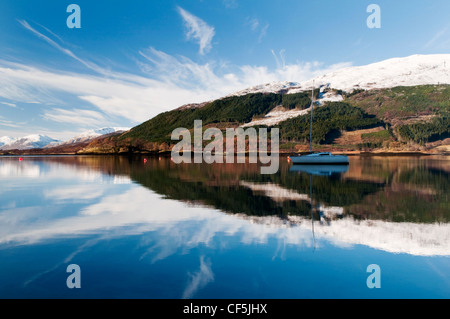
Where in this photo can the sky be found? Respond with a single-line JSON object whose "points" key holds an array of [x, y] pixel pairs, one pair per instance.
{"points": [[131, 60]]}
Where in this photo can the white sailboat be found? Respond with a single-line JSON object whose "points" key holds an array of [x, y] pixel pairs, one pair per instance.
{"points": [[319, 158]]}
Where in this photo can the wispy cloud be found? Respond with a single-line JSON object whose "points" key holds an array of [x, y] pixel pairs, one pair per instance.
{"points": [[165, 82], [198, 30], [9, 104], [139, 98], [281, 64], [230, 4], [436, 37], [263, 32], [76, 116], [258, 27], [9, 124], [87, 64], [253, 23]]}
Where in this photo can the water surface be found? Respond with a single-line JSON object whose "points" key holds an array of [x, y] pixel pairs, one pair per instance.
{"points": [[154, 229]]}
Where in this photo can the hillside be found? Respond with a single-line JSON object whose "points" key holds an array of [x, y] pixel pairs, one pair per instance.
{"points": [[394, 119], [396, 105], [412, 119]]}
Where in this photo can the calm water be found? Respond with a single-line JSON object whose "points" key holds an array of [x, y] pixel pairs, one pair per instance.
{"points": [[161, 230]]}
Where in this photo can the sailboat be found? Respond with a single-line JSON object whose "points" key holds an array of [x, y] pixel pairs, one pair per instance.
{"points": [[318, 158]]}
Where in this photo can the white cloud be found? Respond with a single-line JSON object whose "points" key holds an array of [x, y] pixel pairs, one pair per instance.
{"points": [[436, 37], [280, 62], [256, 26], [9, 104], [253, 23], [138, 98], [263, 32], [198, 30], [87, 64], [76, 116], [230, 4], [9, 123], [165, 83]]}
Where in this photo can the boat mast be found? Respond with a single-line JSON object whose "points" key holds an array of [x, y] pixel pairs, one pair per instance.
{"points": [[312, 208], [310, 130]]}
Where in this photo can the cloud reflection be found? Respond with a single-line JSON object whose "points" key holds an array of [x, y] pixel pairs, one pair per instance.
{"points": [[199, 279], [137, 210]]}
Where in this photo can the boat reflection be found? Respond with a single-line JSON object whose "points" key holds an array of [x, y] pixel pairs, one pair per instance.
{"points": [[322, 170], [326, 214]]}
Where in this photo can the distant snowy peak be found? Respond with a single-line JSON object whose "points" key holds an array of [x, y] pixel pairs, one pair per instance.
{"points": [[91, 134], [407, 71], [42, 141], [26, 142], [6, 140]]}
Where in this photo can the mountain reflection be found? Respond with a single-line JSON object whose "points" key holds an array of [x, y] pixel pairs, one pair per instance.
{"points": [[396, 204]]}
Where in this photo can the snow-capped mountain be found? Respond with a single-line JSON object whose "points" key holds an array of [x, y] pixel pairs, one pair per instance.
{"points": [[26, 142], [6, 140], [91, 134], [407, 71], [42, 141]]}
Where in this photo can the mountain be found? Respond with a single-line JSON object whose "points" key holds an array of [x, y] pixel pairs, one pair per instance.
{"points": [[36, 142], [5, 140], [399, 119], [26, 142], [400, 104], [91, 134], [396, 105], [408, 71]]}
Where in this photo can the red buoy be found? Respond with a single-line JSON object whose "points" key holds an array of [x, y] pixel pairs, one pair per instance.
{"points": [[20, 159]]}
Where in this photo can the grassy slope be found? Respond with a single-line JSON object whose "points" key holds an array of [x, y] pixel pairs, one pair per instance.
{"points": [[401, 104], [234, 110], [401, 110], [419, 114], [405, 115]]}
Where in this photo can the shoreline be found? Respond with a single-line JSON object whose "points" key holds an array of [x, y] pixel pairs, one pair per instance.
{"points": [[18, 153]]}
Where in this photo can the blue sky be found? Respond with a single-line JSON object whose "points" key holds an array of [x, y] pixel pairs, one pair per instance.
{"points": [[131, 60]]}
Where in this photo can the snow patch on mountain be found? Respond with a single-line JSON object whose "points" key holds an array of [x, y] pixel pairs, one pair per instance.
{"points": [[409, 71], [406, 71], [280, 114], [94, 133], [277, 115]]}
